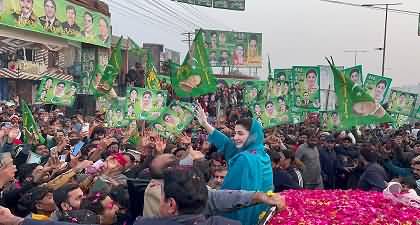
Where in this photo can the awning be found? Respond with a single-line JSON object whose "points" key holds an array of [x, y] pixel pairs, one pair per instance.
{"points": [[10, 74]]}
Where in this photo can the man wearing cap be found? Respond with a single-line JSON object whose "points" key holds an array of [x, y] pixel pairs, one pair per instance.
{"points": [[328, 159]]}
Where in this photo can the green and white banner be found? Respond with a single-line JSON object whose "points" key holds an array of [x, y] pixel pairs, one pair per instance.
{"points": [[174, 119], [145, 104], [307, 87], [354, 104], [58, 18], [283, 74], [56, 92], [114, 116], [400, 120], [271, 113], [355, 74], [255, 91], [401, 102], [227, 48], [378, 87]]}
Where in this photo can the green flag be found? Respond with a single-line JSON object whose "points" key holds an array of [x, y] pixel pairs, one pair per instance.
{"points": [[354, 105], [30, 127], [195, 76], [102, 82], [152, 80]]}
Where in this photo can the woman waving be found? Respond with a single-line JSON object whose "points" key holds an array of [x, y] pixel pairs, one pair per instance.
{"points": [[249, 166]]}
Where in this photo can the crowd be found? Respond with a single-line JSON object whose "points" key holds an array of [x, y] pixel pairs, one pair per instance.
{"points": [[224, 169]]}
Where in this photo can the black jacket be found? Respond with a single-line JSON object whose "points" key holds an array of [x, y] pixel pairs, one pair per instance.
{"points": [[374, 178], [282, 180], [329, 164], [187, 220]]}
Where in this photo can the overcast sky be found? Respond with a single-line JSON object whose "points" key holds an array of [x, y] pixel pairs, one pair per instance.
{"points": [[295, 32]]}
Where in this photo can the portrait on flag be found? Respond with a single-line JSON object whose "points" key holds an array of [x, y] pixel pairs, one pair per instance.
{"points": [[355, 105], [115, 113], [401, 102], [329, 120], [174, 119], [283, 74], [56, 92], [355, 74], [144, 104], [270, 113], [307, 87], [254, 91], [195, 76], [378, 87]]}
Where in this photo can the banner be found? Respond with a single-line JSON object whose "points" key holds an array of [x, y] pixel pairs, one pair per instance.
{"points": [[238, 49], [307, 91], [378, 87], [56, 92], [144, 104], [195, 76], [174, 119], [329, 120], [401, 102], [283, 74], [355, 74], [229, 4], [271, 113], [255, 91], [114, 116], [58, 18], [221, 4], [399, 120], [280, 89], [354, 104]]}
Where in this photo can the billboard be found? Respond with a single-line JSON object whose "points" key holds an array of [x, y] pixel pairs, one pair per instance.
{"points": [[229, 4], [307, 91], [58, 18], [237, 49], [378, 87], [221, 4], [401, 102]]}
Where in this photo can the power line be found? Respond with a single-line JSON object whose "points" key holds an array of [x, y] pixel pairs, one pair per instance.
{"points": [[399, 11], [162, 7], [193, 13], [153, 13], [143, 16], [200, 13]]}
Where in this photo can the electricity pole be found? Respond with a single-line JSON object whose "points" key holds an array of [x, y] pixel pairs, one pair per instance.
{"points": [[385, 30], [188, 38]]}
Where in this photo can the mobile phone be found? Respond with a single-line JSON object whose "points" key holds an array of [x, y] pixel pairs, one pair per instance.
{"points": [[34, 158], [85, 127], [76, 149], [7, 124]]}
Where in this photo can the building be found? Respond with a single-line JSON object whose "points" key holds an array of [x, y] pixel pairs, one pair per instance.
{"points": [[66, 43]]}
